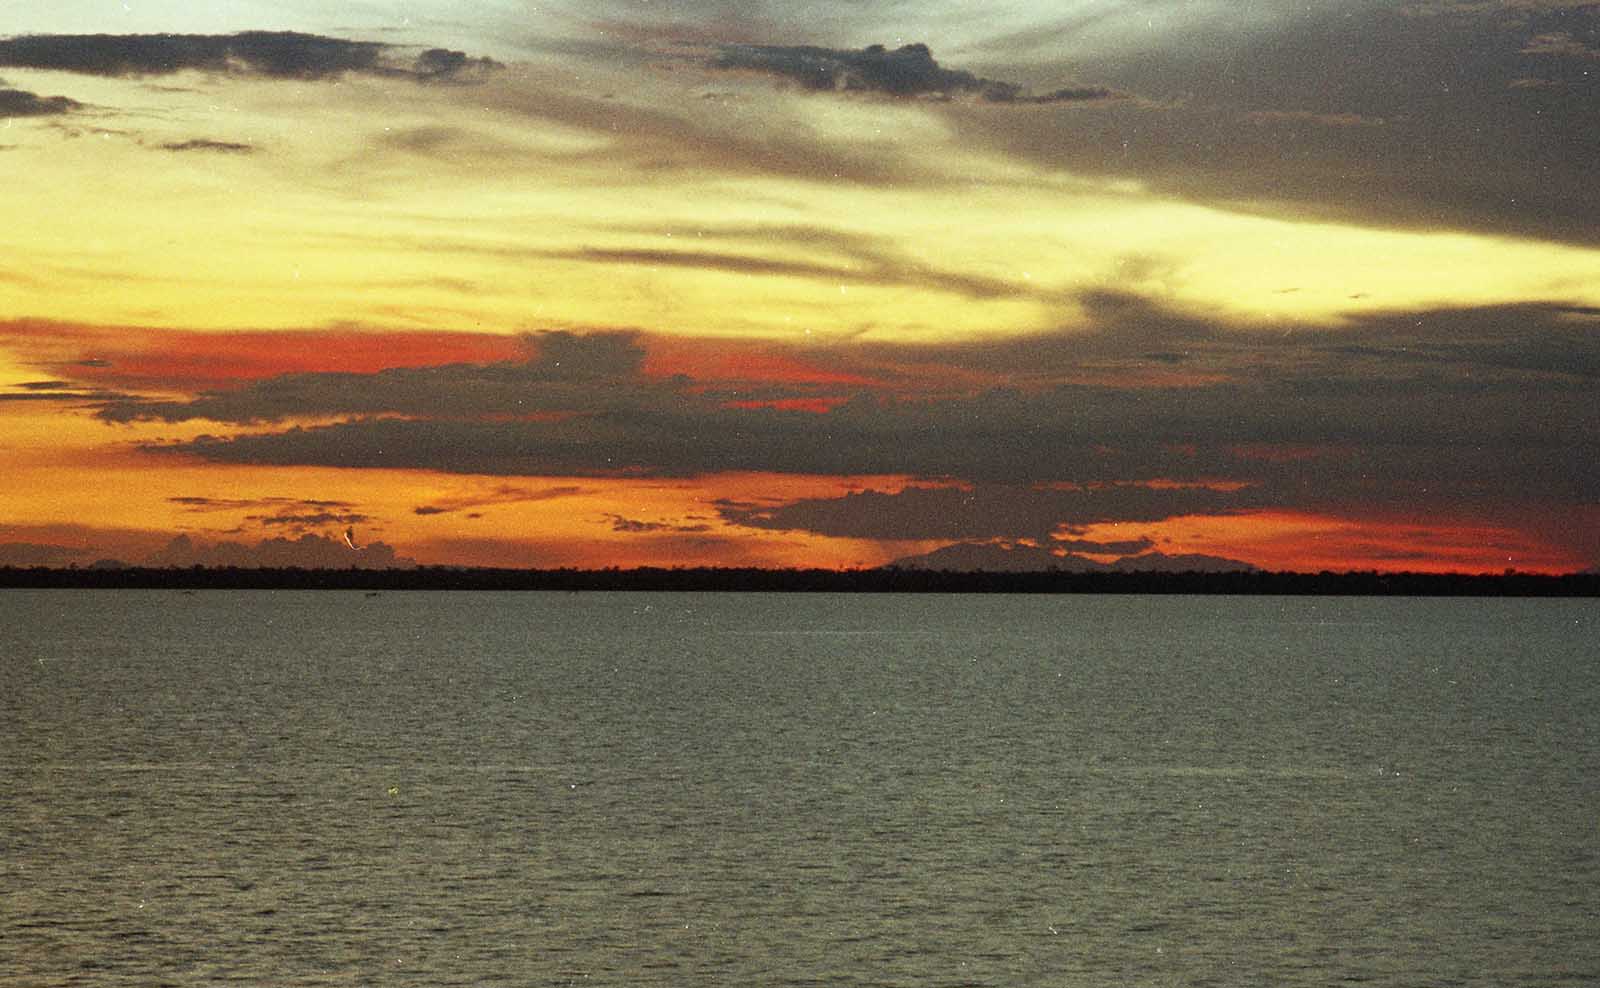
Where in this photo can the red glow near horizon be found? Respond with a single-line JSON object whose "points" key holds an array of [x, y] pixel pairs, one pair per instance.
{"points": [[190, 360], [1310, 543]]}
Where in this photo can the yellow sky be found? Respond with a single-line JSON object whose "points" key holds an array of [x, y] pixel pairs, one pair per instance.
{"points": [[398, 205]]}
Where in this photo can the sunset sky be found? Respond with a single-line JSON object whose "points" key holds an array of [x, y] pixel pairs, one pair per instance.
{"points": [[1307, 285]]}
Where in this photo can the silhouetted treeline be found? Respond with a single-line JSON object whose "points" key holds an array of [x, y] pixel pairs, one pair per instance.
{"points": [[812, 580]]}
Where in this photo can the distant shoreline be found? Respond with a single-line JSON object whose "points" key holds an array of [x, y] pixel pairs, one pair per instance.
{"points": [[725, 580]]}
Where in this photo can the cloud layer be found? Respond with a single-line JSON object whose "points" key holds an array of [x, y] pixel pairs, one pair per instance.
{"points": [[1416, 409], [271, 54], [1482, 115]]}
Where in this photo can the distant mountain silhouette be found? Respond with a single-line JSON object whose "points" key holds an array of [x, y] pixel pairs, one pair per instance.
{"points": [[307, 551], [37, 554], [1189, 562], [991, 557]]}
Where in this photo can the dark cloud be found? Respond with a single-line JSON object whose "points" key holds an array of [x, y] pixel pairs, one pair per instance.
{"points": [[1067, 94], [984, 512], [1400, 409], [224, 147], [444, 64], [1130, 547], [564, 373], [633, 526], [310, 519], [907, 72], [278, 512], [1490, 116], [61, 391], [201, 504], [19, 103], [271, 54], [189, 503]]}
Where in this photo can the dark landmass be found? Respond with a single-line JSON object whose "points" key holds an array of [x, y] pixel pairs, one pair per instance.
{"points": [[888, 580]]}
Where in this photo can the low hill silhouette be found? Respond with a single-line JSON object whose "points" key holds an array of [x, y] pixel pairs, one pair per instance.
{"points": [[990, 557]]}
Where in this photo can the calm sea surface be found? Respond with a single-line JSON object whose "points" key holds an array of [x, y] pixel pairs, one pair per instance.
{"points": [[274, 788]]}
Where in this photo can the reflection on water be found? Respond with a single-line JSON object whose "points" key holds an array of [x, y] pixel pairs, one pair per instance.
{"points": [[458, 789]]}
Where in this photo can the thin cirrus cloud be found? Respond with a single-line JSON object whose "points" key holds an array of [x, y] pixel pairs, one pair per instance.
{"points": [[275, 512], [202, 144], [500, 495], [267, 54], [864, 266]]}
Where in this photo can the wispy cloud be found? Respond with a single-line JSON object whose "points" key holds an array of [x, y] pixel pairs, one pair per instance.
{"points": [[1561, 44], [865, 266], [223, 147], [55, 390], [299, 514], [502, 494]]}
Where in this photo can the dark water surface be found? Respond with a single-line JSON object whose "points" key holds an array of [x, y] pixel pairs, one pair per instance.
{"points": [[279, 788]]}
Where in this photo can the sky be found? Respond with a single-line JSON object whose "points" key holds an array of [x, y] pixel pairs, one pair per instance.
{"points": [[1309, 285]]}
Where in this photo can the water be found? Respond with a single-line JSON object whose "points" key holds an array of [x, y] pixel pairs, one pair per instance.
{"points": [[608, 789]]}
